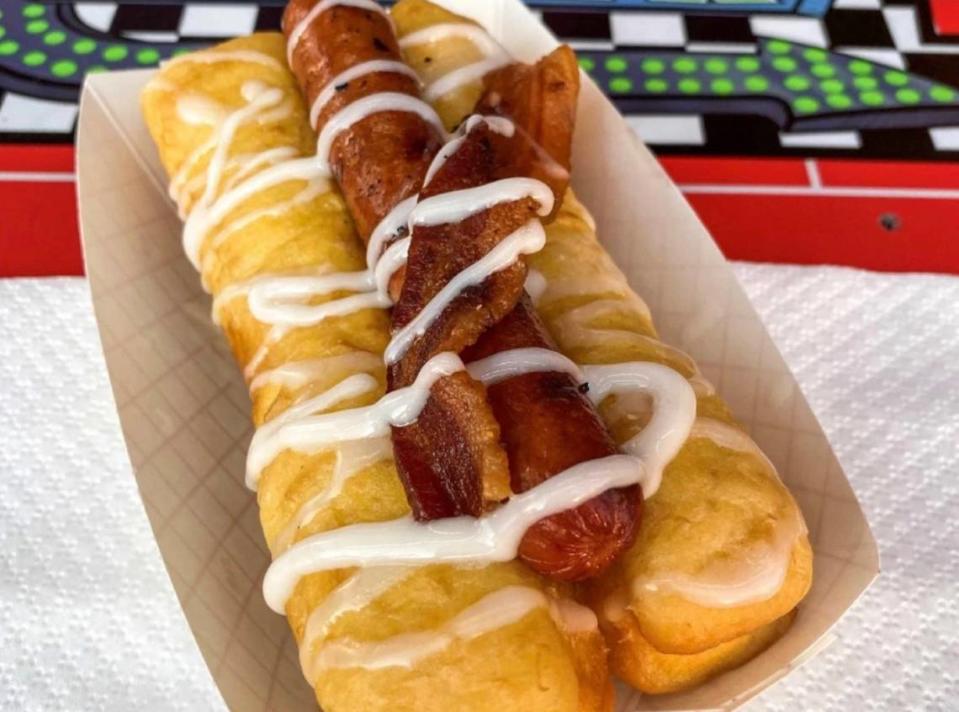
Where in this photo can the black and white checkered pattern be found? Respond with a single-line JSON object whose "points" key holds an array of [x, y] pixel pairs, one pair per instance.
{"points": [[33, 120], [898, 33], [178, 22]]}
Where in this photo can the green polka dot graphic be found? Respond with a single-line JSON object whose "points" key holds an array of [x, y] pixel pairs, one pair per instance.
{"points": [[44, 50], [797, 86]]}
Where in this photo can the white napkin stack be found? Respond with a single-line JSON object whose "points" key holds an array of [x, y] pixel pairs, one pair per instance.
{"points": [[89, 620], [88, 616], [877, 355]]}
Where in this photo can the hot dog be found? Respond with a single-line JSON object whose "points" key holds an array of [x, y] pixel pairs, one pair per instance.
{"points": [[468, 446]]}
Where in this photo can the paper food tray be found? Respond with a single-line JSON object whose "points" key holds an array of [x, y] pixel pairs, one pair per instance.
{"points": [[185, 412]]}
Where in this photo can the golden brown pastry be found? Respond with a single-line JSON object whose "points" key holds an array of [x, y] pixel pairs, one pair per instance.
{"points": [[394, 614], [723, 547], [266, 227], [722, 555], [658, 673]]}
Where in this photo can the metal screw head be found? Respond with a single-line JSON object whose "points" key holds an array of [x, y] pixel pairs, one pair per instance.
{"points": [[890, 222]]}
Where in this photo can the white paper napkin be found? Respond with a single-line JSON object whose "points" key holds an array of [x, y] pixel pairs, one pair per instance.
{"points": [[878, 358], [90, 621], [88, 616]]}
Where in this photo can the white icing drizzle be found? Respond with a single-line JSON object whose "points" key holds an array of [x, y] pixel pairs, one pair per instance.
{"points": [[305, 428], [351, 74], [210, 209], [495, 610], [497, 124], [616, 604], [354, 594], [282, 300], [279, 300], [313, 188], [526, 240], [182, 186], [449, 148], [180, 179], [749, 577], [457, 205], [729, 437], [674, 410], [235, 55], [296, 374], [238, 166], [273, 336], [535, 284], [297, 33], [158, 83], [493, 537], [594, 285], [575, 325], [352, 457], [586, 313], [242, 288], [199, 109], [245, 164], [572, 617], [367, 106], [359, 435], [388, 228], [207, 214], [495, 56], [435, 33], [516, 362], [464, 75], [607, 379]]}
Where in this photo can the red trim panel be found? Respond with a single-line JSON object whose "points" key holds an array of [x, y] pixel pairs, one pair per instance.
{"points": [[39, 233], [945, 16], [889, 174], [736, 171], [57, 159], [39, 236], [920, 235]]}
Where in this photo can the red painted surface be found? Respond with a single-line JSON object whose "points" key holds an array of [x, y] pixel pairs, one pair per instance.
{"points": [[945, 16], [39, 233], [841, 231], [736, 171], [15, 157], [39, 236], [889, 174]]}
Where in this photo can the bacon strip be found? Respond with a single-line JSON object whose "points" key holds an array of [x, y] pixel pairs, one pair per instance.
{"points": [[379, 162], [548, 425], [453, 459]]}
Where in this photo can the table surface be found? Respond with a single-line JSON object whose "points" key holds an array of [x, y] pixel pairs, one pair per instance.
{"points": [[90, 620]]}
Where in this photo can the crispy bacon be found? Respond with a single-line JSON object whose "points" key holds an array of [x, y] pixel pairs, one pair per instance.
{"points": [[379, 162], [467, 445], [541, 100], [548, 425], [382, 159]]}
